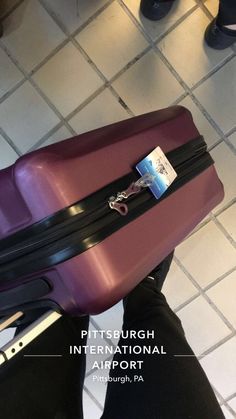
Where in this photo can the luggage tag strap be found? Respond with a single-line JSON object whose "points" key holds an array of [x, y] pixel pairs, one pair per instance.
{"points": [[25, 337], [115, 202]]}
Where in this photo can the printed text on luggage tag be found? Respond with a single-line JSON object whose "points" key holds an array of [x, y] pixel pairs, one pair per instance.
{"points": [[157, 165]]}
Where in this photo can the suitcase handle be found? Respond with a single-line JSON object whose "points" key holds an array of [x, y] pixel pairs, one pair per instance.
{"points": [[30, 333]]}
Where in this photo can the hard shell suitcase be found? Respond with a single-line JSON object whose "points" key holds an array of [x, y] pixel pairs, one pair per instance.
{"points": [[65, 247]]}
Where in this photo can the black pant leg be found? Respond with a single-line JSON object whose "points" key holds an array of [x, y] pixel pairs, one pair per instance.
{"points": [[48, 387], [174, 387], [227, 12]]}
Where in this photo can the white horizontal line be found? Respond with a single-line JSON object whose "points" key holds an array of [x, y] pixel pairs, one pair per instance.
{"points": [[42, 356]]}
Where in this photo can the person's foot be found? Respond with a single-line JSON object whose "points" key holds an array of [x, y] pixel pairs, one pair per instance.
{"points": [[155, 9], [218, 36]]}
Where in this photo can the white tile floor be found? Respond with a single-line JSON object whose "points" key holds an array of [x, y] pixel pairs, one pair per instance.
{"points": [[64, 72]]}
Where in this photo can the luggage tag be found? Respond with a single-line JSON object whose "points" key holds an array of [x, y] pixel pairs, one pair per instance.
{"points": [[157, 175], [157, 165], [25, 337]]}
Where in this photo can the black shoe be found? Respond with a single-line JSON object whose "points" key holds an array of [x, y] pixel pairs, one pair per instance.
{"points": [[218, 36], [155, 9]]}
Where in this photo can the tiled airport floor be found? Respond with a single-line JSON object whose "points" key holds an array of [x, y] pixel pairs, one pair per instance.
{"points": [[64, 72]]}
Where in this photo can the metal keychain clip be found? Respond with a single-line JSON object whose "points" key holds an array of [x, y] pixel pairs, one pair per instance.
{"points": [[115, 202]]}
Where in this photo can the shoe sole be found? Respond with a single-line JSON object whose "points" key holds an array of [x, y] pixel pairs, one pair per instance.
{"points": [[216, 38]]}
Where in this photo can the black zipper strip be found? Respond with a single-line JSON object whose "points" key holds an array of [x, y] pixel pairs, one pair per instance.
{"points": [[76, 224], [80, 240], [92, 204]]}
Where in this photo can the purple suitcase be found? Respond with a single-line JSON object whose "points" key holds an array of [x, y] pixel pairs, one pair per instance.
{"points": [[63, 246]]}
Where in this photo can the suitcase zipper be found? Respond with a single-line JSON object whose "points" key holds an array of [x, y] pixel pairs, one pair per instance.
{"points": [[137, 187], [92, 205], [85, 230]]}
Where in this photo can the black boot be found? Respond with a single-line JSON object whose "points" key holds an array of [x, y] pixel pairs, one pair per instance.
{"points": [[155, 9], [218, 36]]}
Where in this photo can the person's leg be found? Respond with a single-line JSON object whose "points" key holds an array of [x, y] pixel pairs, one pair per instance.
{"points": [[221, 32], [46, 387], [227, 13], [174, 385]]}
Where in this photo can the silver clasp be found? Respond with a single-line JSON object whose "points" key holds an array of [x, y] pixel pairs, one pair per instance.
{"points": [[121, 208], [134, 188]]}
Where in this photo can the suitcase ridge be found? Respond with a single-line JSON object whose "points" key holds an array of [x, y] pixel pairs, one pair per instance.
{"points": [[138, 205]]}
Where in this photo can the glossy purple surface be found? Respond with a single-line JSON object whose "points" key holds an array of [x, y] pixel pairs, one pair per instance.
{"points": [[45, 181]]}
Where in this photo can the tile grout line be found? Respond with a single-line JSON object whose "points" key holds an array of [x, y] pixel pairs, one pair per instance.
{"points": [[74, 33], [229, 144], [231, 131], [196, 101], [91, 371], [175, 74], [70, 38], [205, 113], [223, 230], [88, 392], [204, 290], [199, 357], [228, 399], [37, 88], [218, 280], [57, 49], [6, 95], [216, 346], [65, 120], [220, 141], [97, 327], [229, 408], [67, 40], [188, 90], [68, 117], [187, 302], [28, 77], [62, 122], [214, 70], [166, 32], [225, 207], [216, 214], [222, 400], [205, 296], [52, 131], [180, 98], [11, 10], [10, 142]]}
